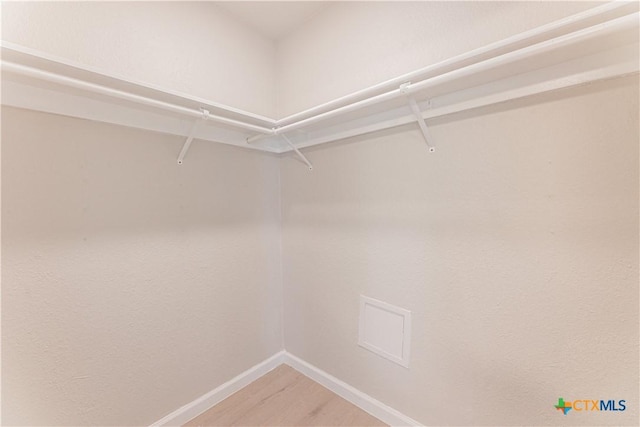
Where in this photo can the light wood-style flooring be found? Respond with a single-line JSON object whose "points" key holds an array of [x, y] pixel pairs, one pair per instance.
{"points": [[285, 397]]}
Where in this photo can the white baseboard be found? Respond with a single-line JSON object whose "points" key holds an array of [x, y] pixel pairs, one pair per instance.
{"points": [[217, 395], [365, 402], [342, 389]]}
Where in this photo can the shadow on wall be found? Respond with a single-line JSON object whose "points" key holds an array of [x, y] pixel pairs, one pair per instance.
{"points": [[97, 178]]}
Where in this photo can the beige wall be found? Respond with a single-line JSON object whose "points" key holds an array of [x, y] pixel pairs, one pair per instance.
{"points": [[515, 246], [130, 285], [316, 63], [192, 47], [181, 45]]}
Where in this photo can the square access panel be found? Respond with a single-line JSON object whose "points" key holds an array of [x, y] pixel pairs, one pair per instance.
{"points": [[385, 330]]}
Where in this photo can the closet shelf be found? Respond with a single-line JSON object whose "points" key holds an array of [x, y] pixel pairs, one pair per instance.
{"points": [[600, 43]]}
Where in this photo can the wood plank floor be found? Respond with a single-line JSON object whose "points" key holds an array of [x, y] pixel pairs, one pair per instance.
{"points": [[285, 397]]}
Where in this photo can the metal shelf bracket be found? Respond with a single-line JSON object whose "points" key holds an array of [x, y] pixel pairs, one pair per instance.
{"points": [[416, 112], [187, 143], [294, 148]]}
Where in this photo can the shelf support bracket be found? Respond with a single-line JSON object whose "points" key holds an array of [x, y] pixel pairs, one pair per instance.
{"points": [[423, 125], [192, 132], [416, 112], [293, 147]]}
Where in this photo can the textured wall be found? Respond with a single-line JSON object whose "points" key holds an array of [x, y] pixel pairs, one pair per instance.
{"points": [[515, 246], [130, 285], [352, 45], [193, 47]]}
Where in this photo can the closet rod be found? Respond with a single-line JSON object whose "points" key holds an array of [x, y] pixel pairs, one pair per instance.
{"points": [[115, 93], [464, 59], [619, 24]]}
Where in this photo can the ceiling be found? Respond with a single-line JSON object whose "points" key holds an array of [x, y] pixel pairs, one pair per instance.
{"points": [[273, 19]]}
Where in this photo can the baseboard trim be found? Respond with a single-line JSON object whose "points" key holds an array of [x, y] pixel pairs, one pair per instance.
{"points": [[365, 402], [342, 389], [217, 395]]}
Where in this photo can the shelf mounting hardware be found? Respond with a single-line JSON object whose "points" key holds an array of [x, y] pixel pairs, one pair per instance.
{"points": [[192, 132], [254, 138], [293, 147], [404, 88]]}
